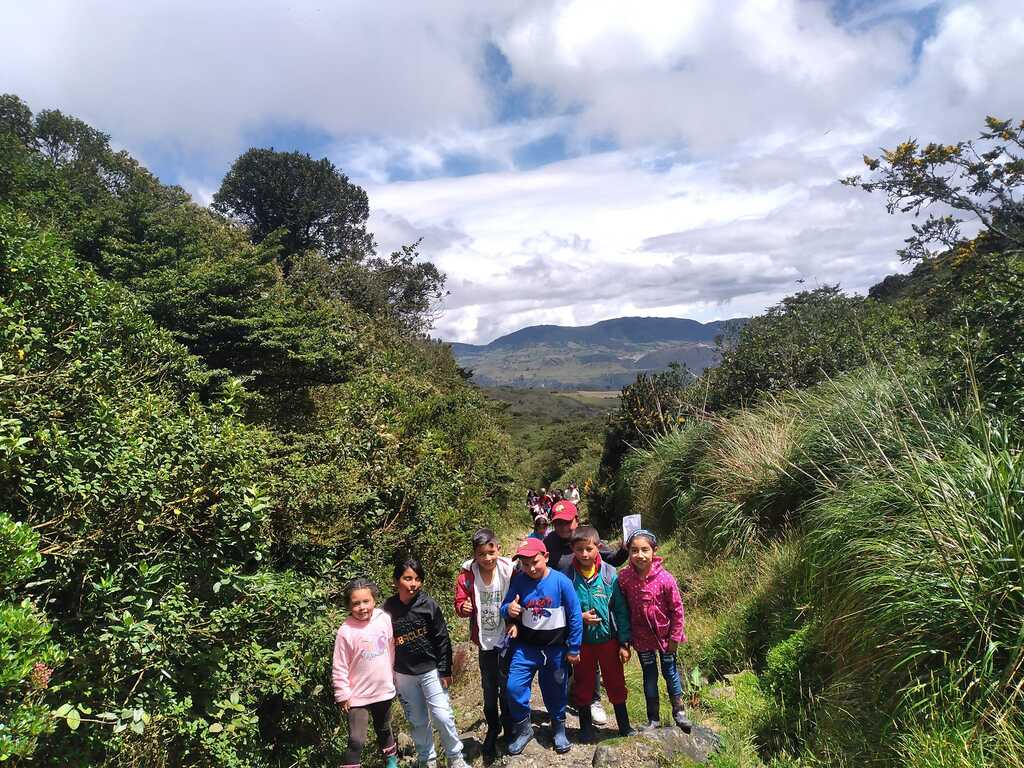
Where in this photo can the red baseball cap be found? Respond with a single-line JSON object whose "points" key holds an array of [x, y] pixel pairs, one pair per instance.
{"points": [[530, 548], [563, 510]]}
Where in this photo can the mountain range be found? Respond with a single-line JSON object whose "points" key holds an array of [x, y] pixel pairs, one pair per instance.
{"points": [[605, 355]]}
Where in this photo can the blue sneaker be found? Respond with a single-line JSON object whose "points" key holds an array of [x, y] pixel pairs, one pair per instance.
{"points": [[522, 732], [562, 744]]}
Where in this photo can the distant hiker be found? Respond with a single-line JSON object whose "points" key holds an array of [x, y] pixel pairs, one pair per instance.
{"points": [[543, 603], [531, 498], [658, 623], [540, 527], [606, 631], [423, 665], [565, 520], [479, 590], [363, 672], [573, 494]]}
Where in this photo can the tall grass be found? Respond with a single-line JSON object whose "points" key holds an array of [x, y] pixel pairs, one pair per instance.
{"points": [[908, 515]]}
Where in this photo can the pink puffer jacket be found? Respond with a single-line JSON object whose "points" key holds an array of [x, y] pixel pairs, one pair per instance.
{"points": [[655, 607]]}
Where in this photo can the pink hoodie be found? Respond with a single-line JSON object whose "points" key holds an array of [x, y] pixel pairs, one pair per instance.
{"points": [[655, 607], [364, 660]]}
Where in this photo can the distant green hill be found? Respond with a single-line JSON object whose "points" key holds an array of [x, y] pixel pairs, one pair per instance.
{"points": [[605, 355]]}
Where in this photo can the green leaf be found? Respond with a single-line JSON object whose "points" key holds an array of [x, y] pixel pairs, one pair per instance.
{"points": [[73, 719], [138, 726], [216, 728]]}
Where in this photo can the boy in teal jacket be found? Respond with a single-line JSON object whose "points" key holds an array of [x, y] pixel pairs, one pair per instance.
{"points": [[606, 630]]}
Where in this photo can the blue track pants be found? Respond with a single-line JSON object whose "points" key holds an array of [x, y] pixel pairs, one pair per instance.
{"points": [[549, 662]]}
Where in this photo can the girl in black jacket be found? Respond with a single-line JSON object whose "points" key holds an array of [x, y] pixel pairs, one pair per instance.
{"points": [[423, 665]]}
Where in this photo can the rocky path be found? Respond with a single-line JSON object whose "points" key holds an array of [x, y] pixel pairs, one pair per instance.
{"points": [[665, 746]]}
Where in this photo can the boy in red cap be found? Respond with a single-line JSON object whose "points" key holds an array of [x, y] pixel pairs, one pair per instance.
{"points": [[543, 604], [565, 520]]}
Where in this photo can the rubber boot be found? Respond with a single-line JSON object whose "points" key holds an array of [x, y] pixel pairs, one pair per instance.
{"points": [[490, 745], [653, 715], [622, 718], [562, 744], [587, 734], [522, 732], [679, 714]]}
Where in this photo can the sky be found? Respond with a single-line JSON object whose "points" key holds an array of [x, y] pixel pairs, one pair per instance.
{"points": [[564, 161]]}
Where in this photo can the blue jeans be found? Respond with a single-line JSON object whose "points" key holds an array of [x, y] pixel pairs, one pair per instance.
{"points": [[669, 670], [424, 699], [549, 664]]}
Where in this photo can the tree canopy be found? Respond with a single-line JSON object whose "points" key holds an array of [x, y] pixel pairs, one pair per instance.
{"points": [[316, 204]]}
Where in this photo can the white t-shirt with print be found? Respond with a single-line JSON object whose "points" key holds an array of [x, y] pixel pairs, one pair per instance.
{"points": [[488, 614]]}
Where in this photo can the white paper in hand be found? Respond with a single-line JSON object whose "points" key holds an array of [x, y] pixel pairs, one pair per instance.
{"points": [[630, 523]]}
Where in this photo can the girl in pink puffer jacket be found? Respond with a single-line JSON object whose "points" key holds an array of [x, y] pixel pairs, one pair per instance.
{"points": [[658, 624]]}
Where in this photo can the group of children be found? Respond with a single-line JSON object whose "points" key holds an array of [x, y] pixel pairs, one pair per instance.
{"points": [[563, 608]]}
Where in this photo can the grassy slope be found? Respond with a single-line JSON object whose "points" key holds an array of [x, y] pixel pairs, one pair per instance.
{"points": [[864, 564]]}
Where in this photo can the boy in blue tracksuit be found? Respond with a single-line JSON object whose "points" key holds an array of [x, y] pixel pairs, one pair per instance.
{"points": [[546, 611]]}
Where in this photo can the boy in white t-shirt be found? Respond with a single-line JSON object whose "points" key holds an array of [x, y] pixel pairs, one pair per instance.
{"points": [[479, 589]]}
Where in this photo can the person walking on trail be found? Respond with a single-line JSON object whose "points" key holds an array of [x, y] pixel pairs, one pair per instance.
{"points": [[573, 494], [565, 519], [362, 673], [423, 665], [480, 587], [544, 606], [606, 631], [658, 622], [540, 527]]}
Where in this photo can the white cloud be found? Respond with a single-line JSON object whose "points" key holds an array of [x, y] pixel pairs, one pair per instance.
{"points": [[732, 122]]}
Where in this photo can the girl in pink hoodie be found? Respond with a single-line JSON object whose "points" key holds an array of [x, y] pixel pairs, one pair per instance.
{"points": [[658, 624], [363, 672]]}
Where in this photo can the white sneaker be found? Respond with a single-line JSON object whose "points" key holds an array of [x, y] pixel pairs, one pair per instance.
{"points": [[597, 714]]}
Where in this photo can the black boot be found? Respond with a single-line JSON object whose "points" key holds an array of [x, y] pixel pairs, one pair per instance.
{"points": [[622, 718], [587, 734], [653, 714], [679, 714], [490, 745]]}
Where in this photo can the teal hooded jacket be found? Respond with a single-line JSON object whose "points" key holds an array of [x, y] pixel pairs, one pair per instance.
{"points": [[602, 593]]}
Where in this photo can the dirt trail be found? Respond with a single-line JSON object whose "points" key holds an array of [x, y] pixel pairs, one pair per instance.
{"points": [[657, 749]]}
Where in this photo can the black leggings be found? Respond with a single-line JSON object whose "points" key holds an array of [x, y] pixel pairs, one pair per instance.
{"points": [[358, 724]]}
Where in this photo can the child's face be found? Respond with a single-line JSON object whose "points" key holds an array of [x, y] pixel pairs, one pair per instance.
{"points": [[641, 554], [361, 604], [585, 553], [486, 556], [408, 585], [540, 527], [535, 567]]}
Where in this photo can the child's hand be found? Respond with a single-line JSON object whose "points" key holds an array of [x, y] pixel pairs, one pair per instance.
{"points": [[513, 631], [672, 646], [573, 658], [515, 610], [345, 706], [446, 682], [624, 654], [591, 617], [464, 609]]}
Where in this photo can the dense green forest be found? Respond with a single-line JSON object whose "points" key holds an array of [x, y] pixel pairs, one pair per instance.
{"points": [[209, 420], [844, 495]]}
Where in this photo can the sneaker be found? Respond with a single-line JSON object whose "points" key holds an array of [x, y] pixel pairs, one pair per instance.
{"points": [[597, 714]]}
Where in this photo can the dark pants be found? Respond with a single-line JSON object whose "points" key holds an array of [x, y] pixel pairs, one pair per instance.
{"points": [[669, 670], [493, 678], [358, 725]]}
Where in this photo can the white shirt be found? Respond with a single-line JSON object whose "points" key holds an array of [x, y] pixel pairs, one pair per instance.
{"points": [[488, 603]]}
